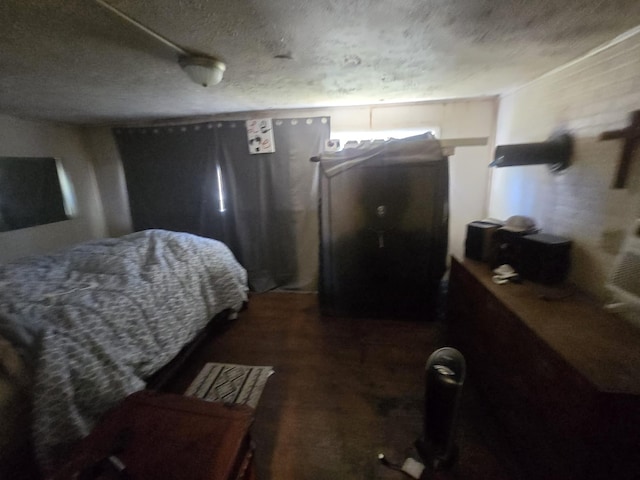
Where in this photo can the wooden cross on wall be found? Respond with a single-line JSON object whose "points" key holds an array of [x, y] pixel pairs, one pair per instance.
{"points": [[631, 136]]}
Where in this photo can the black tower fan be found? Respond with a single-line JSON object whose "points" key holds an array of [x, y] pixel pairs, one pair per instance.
{"points": [[444, 377]]}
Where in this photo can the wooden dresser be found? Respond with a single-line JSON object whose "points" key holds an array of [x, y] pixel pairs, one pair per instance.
{"points": [[562, 375], [166, 436]]}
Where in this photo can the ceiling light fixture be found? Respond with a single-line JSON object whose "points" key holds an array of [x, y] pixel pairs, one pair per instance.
{"points": [[202, 69]]}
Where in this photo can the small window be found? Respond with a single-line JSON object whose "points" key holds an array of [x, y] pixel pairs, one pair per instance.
{"points": [[31, 192]]}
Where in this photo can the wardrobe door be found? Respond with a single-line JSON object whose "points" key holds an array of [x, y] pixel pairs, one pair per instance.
{"points": [[384, 237]]}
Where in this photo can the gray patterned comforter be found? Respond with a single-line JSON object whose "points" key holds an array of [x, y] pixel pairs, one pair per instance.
{"points": [[98, 318]]}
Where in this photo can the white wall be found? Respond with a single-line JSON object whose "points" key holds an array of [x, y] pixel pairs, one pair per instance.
{"points": [[110, 179], [22, 138], [455, 119], [590, 96]]}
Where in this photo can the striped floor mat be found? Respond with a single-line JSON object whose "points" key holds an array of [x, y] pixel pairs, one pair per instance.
{"points": [[229, 383]]}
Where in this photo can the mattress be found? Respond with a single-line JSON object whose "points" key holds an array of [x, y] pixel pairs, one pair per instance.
{"points": [[91, 322]]}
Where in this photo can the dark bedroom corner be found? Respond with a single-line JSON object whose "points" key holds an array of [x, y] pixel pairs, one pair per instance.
{"points": [[319, 240]]}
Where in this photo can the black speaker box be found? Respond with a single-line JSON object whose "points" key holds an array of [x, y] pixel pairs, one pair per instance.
{"points": [[477, 245], [544, 258]]}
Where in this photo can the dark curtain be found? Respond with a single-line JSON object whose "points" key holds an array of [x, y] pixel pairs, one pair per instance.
{"points": [[170, 175], [202, 179]]}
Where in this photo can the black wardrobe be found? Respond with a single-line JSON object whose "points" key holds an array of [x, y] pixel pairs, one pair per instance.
{"points": [[383, 227]]}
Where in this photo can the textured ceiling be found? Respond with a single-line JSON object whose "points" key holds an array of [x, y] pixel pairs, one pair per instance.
{"points": [[75, 61]]}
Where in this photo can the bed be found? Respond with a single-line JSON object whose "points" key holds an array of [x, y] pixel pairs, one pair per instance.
{"points": [[82, 328]]}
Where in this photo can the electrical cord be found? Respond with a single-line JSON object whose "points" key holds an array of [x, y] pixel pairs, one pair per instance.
{"points": [[394, 466], [410, 468]]}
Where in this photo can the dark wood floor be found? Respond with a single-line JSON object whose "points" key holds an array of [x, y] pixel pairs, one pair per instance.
{"points": [[344, 390]]}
